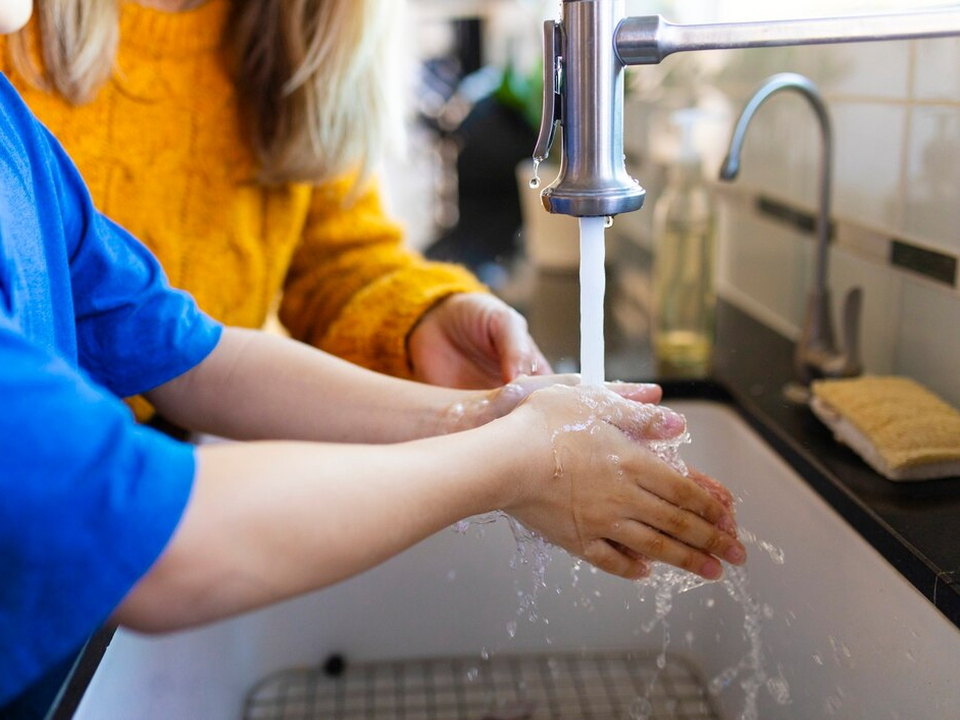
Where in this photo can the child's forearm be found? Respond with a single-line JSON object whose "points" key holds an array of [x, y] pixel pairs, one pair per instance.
{"points": [[267, 521], [254, 386]]}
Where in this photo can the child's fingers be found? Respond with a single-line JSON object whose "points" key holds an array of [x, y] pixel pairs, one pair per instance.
{"points": [[609, 558], [688, 528], [666, 483], [646, 540], [712, 486]]}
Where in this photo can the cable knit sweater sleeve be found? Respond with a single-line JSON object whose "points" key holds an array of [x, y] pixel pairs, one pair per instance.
{"points": [[353, 289]]}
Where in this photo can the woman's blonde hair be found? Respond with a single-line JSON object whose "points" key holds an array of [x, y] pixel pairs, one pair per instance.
{"points": [[313, 75]]}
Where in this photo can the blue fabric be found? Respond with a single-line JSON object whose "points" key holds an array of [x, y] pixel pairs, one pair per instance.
{"points": [[88, 499]]}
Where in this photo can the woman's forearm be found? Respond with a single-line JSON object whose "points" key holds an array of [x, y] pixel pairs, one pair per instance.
{"points": [[254, 386], [267, 521]]}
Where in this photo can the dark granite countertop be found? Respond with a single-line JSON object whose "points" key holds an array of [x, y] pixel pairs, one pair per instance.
{"points": [[915, 526]]}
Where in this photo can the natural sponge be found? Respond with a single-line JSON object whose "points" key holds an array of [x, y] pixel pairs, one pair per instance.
{"points": [[900, 428]]}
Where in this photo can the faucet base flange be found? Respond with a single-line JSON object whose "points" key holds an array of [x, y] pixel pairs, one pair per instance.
{"points": [[579, 203]]}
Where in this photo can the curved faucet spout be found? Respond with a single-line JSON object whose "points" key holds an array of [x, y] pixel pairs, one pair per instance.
{"points": [[731, 164], [816, 351]]}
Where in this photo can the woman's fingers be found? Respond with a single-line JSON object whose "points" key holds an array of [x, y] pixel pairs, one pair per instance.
{"points": [[637, 392], [643, 422]]}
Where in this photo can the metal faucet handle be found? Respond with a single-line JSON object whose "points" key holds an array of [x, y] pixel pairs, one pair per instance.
{"points": [[816, 354], [552, 108], [846, 362]]}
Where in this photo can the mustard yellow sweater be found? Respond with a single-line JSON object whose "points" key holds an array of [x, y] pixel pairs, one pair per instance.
{"points": [[162, 150]]}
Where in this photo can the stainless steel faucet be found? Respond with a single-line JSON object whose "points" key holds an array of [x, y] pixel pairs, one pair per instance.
{"points": [[585, 55], [816, 354]]}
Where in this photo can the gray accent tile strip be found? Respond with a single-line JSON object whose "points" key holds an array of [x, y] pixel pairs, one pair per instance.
{"points": [[801, 220], [929, 263]]}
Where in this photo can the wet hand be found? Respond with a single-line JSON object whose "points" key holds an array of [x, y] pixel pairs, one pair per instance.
{"points": [[473, 341], [596, 488], [483, 407]]}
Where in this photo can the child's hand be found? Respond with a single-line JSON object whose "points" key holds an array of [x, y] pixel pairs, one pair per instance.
{"points": [[593, 488], [486, 406]]}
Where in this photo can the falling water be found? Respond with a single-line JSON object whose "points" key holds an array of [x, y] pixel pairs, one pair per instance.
{"points": [[592, 288]]}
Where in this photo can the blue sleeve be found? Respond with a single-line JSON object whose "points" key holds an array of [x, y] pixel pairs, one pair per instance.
{"points": [[134, 332], [88, 501]]}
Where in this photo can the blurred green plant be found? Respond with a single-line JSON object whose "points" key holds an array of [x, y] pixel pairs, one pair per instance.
{"points": [[522, 93]]}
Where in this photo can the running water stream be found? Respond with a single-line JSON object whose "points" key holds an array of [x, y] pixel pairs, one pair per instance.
{"points": [[592, 290]]}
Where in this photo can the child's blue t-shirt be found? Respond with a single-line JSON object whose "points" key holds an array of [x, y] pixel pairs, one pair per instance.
{"points": [[88, 499]]}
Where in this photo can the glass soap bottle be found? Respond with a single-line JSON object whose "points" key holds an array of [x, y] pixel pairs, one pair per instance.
{"points": [[684, 298]]}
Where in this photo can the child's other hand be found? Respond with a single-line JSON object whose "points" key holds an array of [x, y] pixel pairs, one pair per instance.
{"points": [[486, 406], [592, 487]]}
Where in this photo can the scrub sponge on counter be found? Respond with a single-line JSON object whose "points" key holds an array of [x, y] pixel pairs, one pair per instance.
{"points": [[900, 428]]}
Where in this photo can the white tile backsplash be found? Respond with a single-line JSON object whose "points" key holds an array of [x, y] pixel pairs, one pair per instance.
{"points": [[851, 70], [929, 338], [771, 265], [936, 74], [932, 188], [868, 150]]}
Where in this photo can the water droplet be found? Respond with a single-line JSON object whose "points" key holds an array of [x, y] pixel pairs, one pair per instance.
{"points": [[473, 674], [535, 180], [779, 690], [640, 709], [831, 705], [661, 661], [608, 221], [485, 654], [512, 628]]}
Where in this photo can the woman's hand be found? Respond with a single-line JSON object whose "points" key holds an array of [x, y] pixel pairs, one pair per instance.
{"points": [[474, 341], [595, 489]]}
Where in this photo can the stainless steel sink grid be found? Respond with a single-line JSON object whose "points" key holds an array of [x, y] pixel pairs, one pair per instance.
{"points": [[595, 686]]}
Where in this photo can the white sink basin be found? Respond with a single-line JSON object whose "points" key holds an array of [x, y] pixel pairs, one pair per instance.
{"points": [[844, 630]]}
